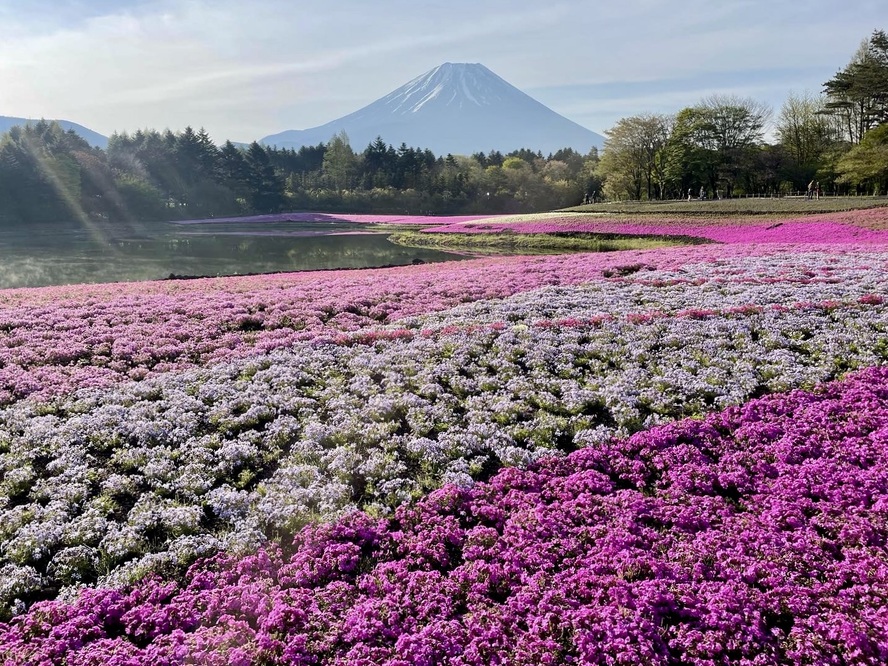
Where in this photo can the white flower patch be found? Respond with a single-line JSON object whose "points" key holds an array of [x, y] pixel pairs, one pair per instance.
{"points": [[74, 564], [231, 504], [15, 582], [123, 542]]}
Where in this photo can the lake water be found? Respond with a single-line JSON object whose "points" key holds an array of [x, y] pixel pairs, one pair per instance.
{"points": [[41, 255]]}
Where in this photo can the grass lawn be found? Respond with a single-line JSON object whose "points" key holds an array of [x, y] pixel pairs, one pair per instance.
{"points": [[730, 207], [536, 243]]}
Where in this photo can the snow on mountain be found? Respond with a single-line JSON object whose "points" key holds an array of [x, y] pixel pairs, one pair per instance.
{"points": [[457, 108]]}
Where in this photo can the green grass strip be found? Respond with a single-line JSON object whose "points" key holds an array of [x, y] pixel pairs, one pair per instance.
{"points": [[541, 243]]}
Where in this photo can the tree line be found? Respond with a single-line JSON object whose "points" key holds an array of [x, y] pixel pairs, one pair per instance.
{"points": [[719, 146], [48, 174], [838, 139]]}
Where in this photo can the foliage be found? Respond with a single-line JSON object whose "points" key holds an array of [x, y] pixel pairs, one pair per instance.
{"points": [[768, 207], [41, 175], [340, 163], [858, 94], [717, 147], [48, 175], [867, 162], [805, 134], [266, 187], [632, 165], [714, 146]]}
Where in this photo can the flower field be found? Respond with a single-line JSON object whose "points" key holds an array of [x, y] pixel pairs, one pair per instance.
{"points": [[674, 456], [55, 340], [858, 227]]}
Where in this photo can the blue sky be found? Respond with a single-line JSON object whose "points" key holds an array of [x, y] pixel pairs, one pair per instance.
{"points": [[244, 70]]}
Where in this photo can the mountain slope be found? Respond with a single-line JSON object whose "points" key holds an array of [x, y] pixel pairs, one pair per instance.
{"points": [[458, 108], [91, 137]]}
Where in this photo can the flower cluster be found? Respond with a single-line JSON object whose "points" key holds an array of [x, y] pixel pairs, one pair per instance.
{"points": [[753, 536]]}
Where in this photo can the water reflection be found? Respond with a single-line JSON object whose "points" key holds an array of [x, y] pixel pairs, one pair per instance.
{"points": [[41, 255]]}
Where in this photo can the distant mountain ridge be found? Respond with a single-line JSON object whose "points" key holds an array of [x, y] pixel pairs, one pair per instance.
{"points": [[458, 108], [90, 136]]}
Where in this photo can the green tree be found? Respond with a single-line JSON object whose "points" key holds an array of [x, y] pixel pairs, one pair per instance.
{"points": [[98, 191], [866, 164], [340, 163], [41, 176], [734, 128], [630, 166], [715, 144], [197, 163], [235, 174], [571, 158], [805, 134], [858, 94], [150, 156], [378, 165], [140, 200], [589, 178], [521, 183], [688, 160], [266, 192]]}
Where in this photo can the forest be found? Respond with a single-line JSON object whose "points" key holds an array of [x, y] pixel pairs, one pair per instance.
{"points": [[724, 146]]}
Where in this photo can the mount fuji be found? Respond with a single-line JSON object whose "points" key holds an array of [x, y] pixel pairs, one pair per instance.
{"points": [[458, 108]]}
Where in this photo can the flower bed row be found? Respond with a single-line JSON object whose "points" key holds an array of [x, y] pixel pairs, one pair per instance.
{"points": [[780, 280], [755, 536], [824, 229], [106, 485], [55, 340]]}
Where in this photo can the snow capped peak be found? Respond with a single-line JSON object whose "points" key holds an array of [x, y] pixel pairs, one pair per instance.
{"points": [[452, 84]]}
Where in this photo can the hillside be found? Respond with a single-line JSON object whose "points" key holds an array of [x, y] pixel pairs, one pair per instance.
{"points": [[94, 138]]}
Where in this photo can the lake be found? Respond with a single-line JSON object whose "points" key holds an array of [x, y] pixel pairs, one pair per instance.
{"points": [[56, 254]]}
